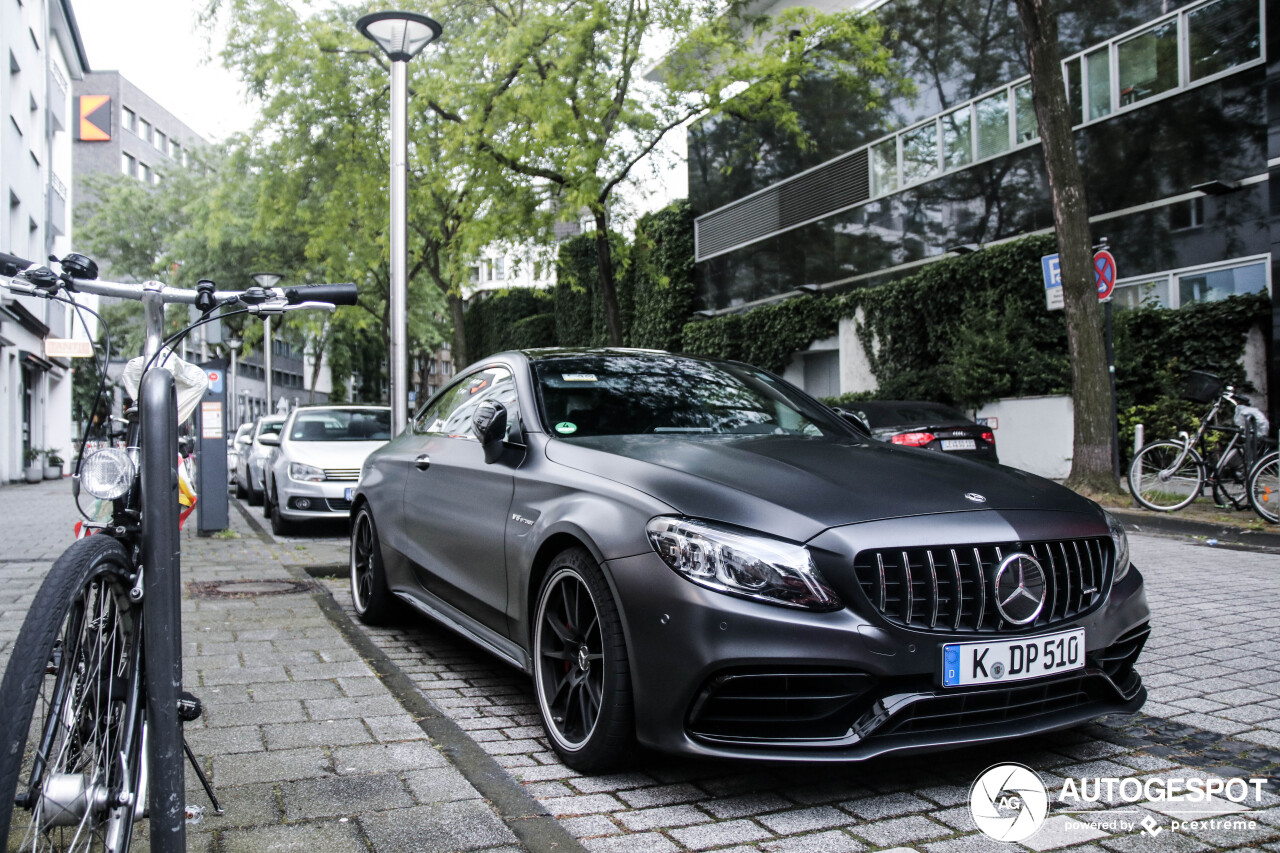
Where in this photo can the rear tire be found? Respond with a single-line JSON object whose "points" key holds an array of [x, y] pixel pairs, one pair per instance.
{"points": [[241, 493], [74, 677], [1264, 487], [1157, 485], [582, 674], [373, 600], [1231, 487]]}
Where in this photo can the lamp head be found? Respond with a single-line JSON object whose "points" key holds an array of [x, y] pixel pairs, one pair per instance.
{"points": [[266, 279], [401, 35]]}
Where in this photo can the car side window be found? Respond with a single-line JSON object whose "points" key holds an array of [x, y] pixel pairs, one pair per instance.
{"points": [[451, 414]]}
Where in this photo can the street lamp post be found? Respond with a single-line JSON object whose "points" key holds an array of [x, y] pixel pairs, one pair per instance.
{"points": [[266, 280], [401, 35]]}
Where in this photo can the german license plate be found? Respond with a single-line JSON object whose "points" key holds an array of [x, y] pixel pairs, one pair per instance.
{"points": [[959, 444], [966, 664], [346, 493]]}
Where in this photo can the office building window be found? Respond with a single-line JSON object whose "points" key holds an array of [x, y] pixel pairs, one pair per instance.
{"points": [[128, 165], [1075, 90], [129, 119], [1216, 285], [160, 141], [957, 138], [920, 153], [499, 268], [884, 167], [1143, 294], [1223, 35], [1098, 69], [175, 150], [1186, 214], [144, 129], [1148, 63], [1026, 125], [993, 125], [144, 173]]}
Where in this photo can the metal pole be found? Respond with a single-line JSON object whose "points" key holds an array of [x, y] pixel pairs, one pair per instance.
{"points": [[266, 362], [1115, 414], [399, 262]]}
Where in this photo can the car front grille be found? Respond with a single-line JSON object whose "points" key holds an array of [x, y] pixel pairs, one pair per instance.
{"points": [[803, 705], [951, 588], [339, 504], [338, 474], [991, 707]]}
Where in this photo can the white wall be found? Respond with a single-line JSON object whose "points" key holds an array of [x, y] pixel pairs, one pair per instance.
{"points": [[1034, 433]]}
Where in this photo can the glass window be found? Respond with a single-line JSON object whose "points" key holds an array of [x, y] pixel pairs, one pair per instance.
{"points": [[499, 268], [1025, 123], [144, 129], [450, 414], [920, 153], [1098, 66], [128, 165], [1186, 214], [993, 125], [1075, 91], [957, 138], [161, 141], [587, 396], [1148, 63], [1154, 293], [1223, 35], [128, 119], [884, 167], [340, 424], [1219, 284], [271, 426]]}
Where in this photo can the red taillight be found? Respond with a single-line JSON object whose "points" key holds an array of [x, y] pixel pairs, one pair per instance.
{"points": [[913, 439], [989, 437]]}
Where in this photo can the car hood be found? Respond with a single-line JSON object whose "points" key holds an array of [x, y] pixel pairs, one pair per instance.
{"points": [[798, 486], [332, 454]]}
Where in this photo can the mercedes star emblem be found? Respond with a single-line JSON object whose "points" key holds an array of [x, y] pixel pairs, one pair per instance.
{"points": [[1020, 589]]}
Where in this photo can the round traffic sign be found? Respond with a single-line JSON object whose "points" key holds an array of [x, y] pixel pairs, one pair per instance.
{"points": [[1104, 273], [213, 376]]}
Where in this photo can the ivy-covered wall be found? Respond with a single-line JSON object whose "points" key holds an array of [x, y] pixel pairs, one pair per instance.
{"points": [[662, 277], [495, 318], [579, 302]]}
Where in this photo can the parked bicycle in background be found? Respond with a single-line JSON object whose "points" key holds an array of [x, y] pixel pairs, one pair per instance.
{"points": [[1169, 474], [91, 705]]}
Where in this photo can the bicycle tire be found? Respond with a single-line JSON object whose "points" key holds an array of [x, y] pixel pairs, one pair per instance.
{"points": [[1159, 491], [1264, 487], [1231, 481], [73, 685]]}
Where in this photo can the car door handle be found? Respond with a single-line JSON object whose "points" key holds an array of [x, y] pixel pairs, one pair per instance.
{"points": [[422, 463]]}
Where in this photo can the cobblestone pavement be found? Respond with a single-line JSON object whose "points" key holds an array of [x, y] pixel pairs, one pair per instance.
{"points": [[1212, 667]]}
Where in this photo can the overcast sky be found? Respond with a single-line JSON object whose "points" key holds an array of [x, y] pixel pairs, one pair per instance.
{"points": [[156, 45]]}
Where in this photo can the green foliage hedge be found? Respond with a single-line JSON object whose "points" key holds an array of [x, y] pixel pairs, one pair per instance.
{"points": [[662, 277], [579, 302], [492, 317], [765, 336]]}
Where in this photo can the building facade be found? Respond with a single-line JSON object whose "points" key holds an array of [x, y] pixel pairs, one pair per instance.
{"points": [[1177, 126], [45, 58]]}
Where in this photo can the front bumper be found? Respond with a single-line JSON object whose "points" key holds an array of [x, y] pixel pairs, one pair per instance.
{"points": [[305, 500], [719, 676]]}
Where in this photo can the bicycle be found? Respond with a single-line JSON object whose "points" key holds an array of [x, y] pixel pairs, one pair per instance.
{"points": [[91, 705], [1169, 474], [1264, 487]]}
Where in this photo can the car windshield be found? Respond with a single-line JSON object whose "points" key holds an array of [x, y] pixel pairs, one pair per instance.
{"points": [[896, 414], [270, 427], [341, 425], [622, 395]]}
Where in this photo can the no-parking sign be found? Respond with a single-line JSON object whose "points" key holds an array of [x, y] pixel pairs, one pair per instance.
{"points": [[1104, 273]]}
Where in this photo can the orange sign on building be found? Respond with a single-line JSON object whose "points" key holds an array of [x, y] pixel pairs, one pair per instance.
{"points": [[95, 118]]}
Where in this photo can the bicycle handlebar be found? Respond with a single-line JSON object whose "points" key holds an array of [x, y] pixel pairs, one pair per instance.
{"points": [[336, 294]]}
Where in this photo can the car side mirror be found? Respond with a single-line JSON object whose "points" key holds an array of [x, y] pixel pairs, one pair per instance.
{"points": [[489, 425], [269, 440], [855, 420]]}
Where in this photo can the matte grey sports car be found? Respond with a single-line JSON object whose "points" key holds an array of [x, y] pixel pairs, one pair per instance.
{"points": [[695, 556]]}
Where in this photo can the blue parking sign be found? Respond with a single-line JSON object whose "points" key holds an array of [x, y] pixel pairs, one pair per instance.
{"points": [[1052, 281]]}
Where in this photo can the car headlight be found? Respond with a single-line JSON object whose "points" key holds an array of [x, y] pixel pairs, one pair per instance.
{"points": [[741, 564], [1121, 540], [305, 473], [108, 474]]}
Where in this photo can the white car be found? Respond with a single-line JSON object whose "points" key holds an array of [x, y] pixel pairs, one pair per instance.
{"points": [[316, 460], [237, 445], [253, 458]]}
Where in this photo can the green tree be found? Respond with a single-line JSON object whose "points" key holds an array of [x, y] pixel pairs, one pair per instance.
{"points": [[554, 92]]}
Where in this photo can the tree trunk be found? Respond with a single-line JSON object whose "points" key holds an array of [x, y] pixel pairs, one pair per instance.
{"points": [[457, 315], [604, 262], [1091, 465]]}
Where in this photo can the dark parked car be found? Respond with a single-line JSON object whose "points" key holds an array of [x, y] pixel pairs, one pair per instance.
{"points": [[931, 426], [696, 556]]}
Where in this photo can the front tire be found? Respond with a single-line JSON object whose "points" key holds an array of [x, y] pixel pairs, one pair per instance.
{"points": [[74, 678], [581, 670], [280, 525], [1264, 487], [373, 600], [1160, 482]]}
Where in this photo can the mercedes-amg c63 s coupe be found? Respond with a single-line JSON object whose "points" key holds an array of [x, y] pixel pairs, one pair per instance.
{"points": [[695, 556]]}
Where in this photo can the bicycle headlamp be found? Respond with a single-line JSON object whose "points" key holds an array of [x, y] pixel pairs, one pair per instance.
{"points": [[108, 474]]}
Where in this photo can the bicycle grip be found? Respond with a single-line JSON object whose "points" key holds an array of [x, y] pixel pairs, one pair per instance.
{"points": [[335, 294], [11, 265]]}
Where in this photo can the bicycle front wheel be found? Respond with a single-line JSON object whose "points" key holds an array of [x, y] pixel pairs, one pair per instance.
{"points": [[1163, 479], [71, 712], [1264, 487]]}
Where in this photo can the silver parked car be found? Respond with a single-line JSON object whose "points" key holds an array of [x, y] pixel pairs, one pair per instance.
{"points": [[316, 461], [253, 458], [236, 447]]}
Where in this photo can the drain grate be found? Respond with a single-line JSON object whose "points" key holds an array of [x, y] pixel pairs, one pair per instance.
{"points": [[246, 588]]}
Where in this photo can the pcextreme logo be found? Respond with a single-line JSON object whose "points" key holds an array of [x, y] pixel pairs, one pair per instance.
{"points": [[1008, 802]]}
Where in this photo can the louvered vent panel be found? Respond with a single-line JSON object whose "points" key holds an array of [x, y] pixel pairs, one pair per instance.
{"points": [[829, 188]]}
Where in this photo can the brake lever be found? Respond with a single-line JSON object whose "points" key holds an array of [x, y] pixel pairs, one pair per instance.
{"points": [[272, 310]]}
